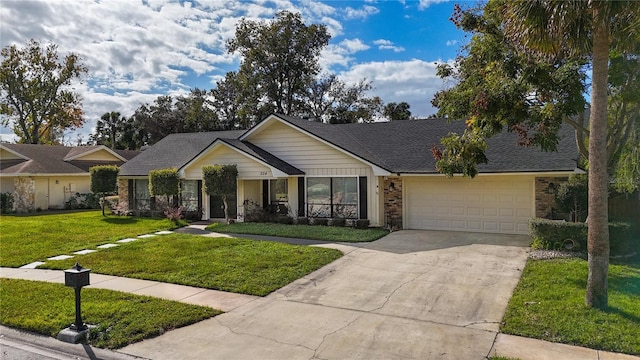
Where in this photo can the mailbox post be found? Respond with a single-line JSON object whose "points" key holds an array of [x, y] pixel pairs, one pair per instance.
{"points": [[76, 277]]}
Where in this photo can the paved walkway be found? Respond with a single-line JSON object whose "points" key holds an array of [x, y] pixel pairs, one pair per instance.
{"points": [[421, 295]]}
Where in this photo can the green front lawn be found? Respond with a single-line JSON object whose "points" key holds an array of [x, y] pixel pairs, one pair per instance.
{"points": [[121, 318], [28, 238], [228, 264], [326, 233], [549, 304]]}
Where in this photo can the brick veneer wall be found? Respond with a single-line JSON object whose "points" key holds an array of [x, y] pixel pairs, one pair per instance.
{"points": [[545, 195], [24, 194], [393, 202], [123, 194]]}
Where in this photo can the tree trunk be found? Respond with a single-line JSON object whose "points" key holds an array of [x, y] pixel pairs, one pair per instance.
{"points": [[103, 201], [598, 238], [226, 207]]}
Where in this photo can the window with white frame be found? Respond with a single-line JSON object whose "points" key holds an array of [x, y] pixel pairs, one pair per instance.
{"points": [[189, 195]]}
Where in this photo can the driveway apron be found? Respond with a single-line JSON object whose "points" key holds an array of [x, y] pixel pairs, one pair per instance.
{"points": [[412, 294]]}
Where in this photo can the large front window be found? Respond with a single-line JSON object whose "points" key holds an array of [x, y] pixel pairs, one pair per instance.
{"points": [[335, 197]]}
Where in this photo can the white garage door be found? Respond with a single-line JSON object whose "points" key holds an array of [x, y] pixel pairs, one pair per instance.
{"points": [[502, 204]]}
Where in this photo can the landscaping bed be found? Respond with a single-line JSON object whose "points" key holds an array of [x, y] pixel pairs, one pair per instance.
{"points": [[311, 232]]}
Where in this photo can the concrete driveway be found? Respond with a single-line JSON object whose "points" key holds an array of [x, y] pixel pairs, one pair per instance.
{"points": [[412, 294]]}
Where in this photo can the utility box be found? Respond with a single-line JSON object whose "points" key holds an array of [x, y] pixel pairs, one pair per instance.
{"points": [[76, 277]]}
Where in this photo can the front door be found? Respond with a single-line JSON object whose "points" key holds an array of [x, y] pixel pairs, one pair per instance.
{"points": [[216, 209]]}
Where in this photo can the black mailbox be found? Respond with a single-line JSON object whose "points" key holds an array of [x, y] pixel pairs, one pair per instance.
{"points": [[76, 277]]}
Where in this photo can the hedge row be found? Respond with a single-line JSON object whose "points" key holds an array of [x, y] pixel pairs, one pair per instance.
{"points": [[553, 234]]}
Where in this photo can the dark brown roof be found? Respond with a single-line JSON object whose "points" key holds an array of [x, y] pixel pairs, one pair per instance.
{"points": [[396, 146]]}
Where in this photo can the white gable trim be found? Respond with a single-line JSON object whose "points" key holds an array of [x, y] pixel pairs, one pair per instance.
{"points": [[96, 149], [14, 152], [217, 143], [377, 170]]}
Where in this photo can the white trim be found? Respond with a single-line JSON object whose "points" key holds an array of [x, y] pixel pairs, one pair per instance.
{"points": [[218, 142], [377, 171], [541, 173], [23, 157], [96, 149]]}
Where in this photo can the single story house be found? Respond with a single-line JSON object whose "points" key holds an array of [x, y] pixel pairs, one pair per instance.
{"points": [[46, 176], [383, 172]]}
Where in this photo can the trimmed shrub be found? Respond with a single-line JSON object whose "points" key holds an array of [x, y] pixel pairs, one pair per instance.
{"points": [[164, 182], [6, 203], [286, 220], [552, 234], [320, 221], [339, 222], [361, 224], [83, 201]]}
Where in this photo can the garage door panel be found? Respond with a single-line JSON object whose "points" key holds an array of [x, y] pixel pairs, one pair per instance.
{"points": [[501, 204]]}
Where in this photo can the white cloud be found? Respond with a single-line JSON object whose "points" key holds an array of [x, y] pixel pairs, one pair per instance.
{"points": [[137, 51], [413, 81], [361, 13], [353, 45], [452, 42], [388, 45], [426, 3]]}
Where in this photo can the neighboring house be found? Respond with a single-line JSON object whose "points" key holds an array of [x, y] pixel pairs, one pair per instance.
{"points": [[46, 176], [384, 172]]}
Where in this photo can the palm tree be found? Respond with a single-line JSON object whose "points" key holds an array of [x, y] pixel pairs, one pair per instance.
{"points": [[583, 28], [111, 122]]}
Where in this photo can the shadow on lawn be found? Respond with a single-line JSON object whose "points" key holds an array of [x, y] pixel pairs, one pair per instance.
{"points": [[121, 220]]}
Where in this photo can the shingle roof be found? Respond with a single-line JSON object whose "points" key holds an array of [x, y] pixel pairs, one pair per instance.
{"points": [[174, 151], [50, 159], [396, 146], [405, 146]]}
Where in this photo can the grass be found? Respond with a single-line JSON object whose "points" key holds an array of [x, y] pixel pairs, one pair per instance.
{"points": [[326, 233], [28, 238], [549, 304], [228, 264], [122, 318]]}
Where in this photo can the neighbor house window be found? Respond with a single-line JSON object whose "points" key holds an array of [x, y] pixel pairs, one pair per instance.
{"points": [[335, 197], [189, 195]]}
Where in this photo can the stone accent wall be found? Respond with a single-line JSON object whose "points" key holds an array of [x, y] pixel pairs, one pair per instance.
{"points": [[123, 194], [546, 188], [24, 194], [393, 202]]}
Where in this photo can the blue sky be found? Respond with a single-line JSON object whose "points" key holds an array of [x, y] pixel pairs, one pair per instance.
{"points": [[138, 50]]}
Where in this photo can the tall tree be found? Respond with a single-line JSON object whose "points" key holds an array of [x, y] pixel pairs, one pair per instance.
{"points": [[565, 34], [36, 97], [593, 29], [108, 129], [280, 57], [395, 111]]}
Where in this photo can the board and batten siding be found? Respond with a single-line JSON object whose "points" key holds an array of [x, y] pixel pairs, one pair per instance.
{"points": [[223, 155]]}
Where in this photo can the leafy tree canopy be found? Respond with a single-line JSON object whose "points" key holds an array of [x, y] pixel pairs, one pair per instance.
{"points": [[35, 94]]}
